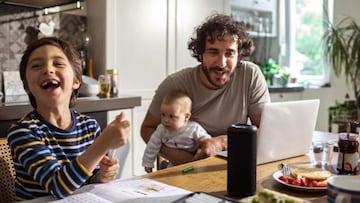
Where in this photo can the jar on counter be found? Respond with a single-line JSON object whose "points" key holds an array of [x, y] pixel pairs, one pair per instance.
{"points": [[348, 160], [104, 86], [113, 78]]}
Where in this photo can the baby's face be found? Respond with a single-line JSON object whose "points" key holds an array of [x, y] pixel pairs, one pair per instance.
{"points": [[172, 116]]}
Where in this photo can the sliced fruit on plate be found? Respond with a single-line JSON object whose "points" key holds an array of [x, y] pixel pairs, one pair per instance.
{"points": [[308, 177]]}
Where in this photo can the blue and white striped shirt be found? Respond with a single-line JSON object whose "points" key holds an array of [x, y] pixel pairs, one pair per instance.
{"points": [[45, 157]]}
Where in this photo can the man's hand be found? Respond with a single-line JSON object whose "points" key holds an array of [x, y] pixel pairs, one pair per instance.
{"points": [[176, 156], [109, 168], [209, 147]]}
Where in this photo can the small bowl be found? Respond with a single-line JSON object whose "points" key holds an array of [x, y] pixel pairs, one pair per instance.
{"points": [[89, 87]]}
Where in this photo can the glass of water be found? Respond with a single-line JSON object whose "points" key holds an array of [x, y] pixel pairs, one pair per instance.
{"points": [[322, 152]]}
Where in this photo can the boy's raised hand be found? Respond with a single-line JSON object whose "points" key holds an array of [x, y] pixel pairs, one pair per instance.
{"points": [[116, 133]]}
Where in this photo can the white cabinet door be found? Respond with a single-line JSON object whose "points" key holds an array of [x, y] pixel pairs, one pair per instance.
{"points": [[279, 97], [123, 153], [133, 41], [135, 38], [138, 144]]}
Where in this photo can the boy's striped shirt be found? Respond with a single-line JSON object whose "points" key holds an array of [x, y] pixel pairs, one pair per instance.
{"points": [[45, 157]]}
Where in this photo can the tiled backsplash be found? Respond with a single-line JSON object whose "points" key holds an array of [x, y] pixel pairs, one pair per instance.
{"points": [[19, 26]]}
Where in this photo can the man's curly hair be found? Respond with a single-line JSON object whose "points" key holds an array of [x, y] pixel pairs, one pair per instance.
{"points": [[217, 26]]}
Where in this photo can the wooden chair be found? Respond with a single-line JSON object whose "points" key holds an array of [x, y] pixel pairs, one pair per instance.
{"points": [[7, 173]]}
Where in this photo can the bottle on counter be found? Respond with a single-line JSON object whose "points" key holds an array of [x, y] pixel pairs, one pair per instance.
{"points": [[90, 69], [113, 78], [104, 86]]}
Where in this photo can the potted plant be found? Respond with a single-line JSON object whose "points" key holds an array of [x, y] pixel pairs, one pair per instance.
{"points": [[341, 49]]}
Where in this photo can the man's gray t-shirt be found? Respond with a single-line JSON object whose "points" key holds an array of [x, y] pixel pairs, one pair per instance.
{"points": [[215, 110]]}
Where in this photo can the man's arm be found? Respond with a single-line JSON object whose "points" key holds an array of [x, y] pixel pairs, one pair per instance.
{"points": [[148, 126], [209, 147], [255, 119]]}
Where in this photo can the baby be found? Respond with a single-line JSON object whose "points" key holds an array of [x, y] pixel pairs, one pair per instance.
{"points": [[175, 129]]}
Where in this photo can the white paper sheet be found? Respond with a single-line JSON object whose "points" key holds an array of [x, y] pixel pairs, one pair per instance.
{"points": [[135, 189], [85, 197]]}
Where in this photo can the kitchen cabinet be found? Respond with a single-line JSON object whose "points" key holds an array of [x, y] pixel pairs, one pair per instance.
{"points": [[130, 36], [280, 97], [123, 153], [138, 144], [145, 40], [40, 4], [260, 5], [259, 16]]}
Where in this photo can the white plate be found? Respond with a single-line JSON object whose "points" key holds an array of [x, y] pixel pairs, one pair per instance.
{"points": [[277, 174], [223, 154]]}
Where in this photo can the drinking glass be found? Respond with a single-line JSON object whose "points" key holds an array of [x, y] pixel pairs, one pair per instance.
{"points": [[322, 152]]}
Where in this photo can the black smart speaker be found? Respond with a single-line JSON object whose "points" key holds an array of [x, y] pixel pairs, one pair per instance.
{"points": [[241, 160]]}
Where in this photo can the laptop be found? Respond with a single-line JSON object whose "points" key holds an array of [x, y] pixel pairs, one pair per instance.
{"points": [[286, 130]]}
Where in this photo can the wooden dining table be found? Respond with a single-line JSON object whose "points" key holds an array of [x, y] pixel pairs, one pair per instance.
{"points": [[210, 175]]}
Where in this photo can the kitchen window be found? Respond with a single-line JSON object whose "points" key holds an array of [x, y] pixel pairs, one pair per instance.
{"points": [[301, 26]]}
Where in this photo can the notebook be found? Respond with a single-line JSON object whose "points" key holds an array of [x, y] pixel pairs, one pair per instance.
{"points": [[286, 130]]}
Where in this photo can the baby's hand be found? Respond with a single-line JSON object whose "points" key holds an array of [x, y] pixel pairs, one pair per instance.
{"points": [[148, 169]]}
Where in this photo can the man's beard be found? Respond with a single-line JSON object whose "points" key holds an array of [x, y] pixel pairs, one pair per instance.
{"points": [[218, 71]]}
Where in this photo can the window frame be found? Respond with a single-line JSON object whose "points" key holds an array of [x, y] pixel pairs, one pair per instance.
{"points": [[287, 43]]}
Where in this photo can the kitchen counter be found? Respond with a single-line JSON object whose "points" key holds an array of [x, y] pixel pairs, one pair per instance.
{"points": [[93, 106], [15, 110], [285, 89]]}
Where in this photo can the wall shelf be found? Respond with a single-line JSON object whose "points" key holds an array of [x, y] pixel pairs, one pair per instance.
{"points": [[259, 16], [39, 4]]}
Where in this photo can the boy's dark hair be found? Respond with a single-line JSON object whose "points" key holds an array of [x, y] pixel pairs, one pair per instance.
{"points": [[216, 27], [70, 52]]}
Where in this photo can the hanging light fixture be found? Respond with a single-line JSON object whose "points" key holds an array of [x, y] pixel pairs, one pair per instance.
{"points": [[58, 9]]}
